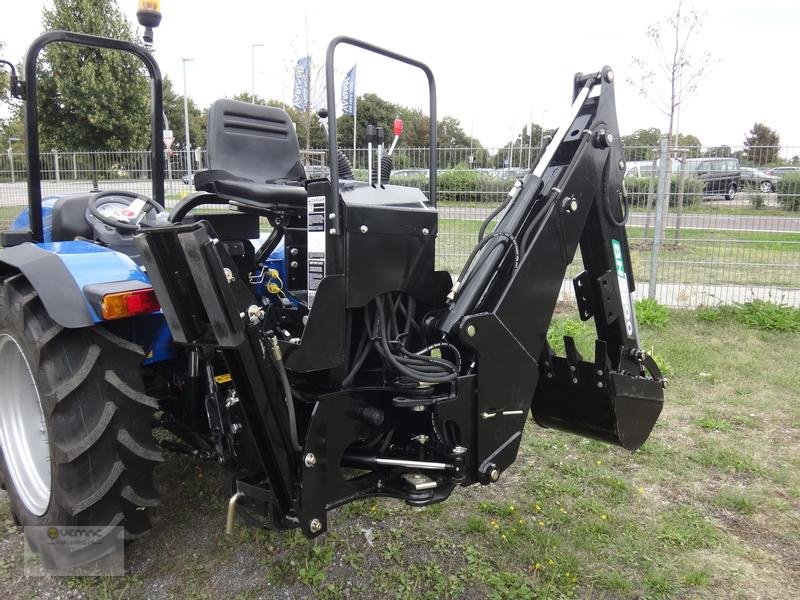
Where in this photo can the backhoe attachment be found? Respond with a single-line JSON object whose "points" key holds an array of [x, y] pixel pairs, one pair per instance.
{"points": [[362, 371]]}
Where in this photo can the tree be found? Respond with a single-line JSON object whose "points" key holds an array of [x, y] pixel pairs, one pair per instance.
{"points": [[102, 95], [642, 137], [173, 109], [13, 125], [723, 151], [3, 76], [523, 148], [762, 144], [670, 74]]}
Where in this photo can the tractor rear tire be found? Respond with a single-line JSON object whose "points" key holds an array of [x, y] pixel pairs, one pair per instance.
{"points": [[91, 459]]}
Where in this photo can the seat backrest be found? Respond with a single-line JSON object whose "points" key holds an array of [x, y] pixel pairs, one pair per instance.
{"points": [[255, 142]]}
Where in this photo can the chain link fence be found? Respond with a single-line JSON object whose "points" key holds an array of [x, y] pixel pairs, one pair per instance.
{"points": [[725, 228]]}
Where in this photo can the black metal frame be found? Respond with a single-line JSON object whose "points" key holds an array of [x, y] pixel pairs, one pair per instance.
{"points": [[32, 115], [335, 222]]}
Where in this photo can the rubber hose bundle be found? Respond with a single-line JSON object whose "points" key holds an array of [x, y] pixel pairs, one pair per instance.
{"points": [[344, 166], [387, 164], [384, 335]]}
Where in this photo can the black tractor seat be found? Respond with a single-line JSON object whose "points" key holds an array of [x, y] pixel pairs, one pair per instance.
{"points": [[290, 195], [253, 158]]}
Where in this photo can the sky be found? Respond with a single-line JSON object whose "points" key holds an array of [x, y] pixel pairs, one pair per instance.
{"points": [[498, 65]]}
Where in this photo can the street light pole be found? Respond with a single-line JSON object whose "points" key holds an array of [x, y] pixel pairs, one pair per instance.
{"points": [[186, 121], [253, 69]]}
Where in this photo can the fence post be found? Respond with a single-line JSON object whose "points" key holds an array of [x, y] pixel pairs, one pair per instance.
{"points": [[11, 162], [55, 160], [681, 186], [650, 194], [661, 204]]}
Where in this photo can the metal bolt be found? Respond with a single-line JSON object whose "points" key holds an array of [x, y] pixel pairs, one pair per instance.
{"points": [[600, 384], [471, 331], [332, 231], [609, 139], [294, 264], [332, 216], [418, 408], [494, 475], [425, 231], [364, 229], [228, 275], [294, 251], [421, 439], [574, 380], [459, 450], [549, 375], [573, 205], [315, 526], [236, 427], [309, 460], [215, 241], [609, 76], [622, 165], [600, 372]]}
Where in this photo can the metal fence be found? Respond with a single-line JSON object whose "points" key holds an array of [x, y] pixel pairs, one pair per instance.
{"points": [[695, 240]]}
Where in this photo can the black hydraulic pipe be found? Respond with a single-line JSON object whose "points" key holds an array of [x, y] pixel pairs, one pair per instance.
{"points": [[331, 92], [32, 115]]}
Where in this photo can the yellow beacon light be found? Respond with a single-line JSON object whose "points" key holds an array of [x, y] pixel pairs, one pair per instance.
{"points": [[149, 16]]}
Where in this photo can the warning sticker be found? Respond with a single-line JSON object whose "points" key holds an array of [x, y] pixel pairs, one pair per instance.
{"points": [[624, 292], [316, 244]]}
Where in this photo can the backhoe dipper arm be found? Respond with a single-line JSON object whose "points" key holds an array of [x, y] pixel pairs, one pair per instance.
{"points": [[502, 304]]}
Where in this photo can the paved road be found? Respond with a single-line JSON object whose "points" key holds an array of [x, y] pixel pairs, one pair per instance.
{"points": [[717, 222]]}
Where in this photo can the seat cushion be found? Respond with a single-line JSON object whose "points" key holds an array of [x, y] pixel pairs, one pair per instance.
{"points": [[277, 196]]}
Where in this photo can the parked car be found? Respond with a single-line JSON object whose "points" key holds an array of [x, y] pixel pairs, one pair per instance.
{"points": [[404, 175], [720, 176], [644, 168], [780, 171], [758, 179]]}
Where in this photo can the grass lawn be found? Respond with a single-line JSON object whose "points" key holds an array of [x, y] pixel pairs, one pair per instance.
{"points": [[708, 508], [701, 255]]}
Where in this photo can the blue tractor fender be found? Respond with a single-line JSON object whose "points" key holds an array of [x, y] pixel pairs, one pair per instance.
{"points": [[61, 272]]}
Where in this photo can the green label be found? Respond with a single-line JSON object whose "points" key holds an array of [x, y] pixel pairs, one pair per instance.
{"points": [[618, 257]]}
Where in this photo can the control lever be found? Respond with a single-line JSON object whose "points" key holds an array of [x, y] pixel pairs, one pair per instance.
{"points": [[397, 129], [370, 141]]}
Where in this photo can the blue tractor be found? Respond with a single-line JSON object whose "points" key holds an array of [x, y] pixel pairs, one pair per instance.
{"points": [[298, 331]]}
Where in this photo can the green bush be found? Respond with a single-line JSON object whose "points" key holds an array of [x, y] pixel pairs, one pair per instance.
{"points": [[757, 200], [638, 188], [472, 186], [789, 191], [768, 316], [420, 182], [651, 314]]}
